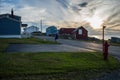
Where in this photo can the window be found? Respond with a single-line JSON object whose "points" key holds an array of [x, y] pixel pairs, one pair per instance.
{"points": [[80, 31]]}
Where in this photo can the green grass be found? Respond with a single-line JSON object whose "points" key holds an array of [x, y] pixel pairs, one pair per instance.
{"points": [[4, 42], [50, 63]]}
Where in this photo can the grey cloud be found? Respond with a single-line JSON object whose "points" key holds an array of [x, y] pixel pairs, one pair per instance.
{"points": [[64, 3], [76, 9], [113, 16], [84, 4], [114, 25]]}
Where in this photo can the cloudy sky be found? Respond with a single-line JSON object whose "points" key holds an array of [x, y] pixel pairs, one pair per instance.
{"points": [[92, 14]]}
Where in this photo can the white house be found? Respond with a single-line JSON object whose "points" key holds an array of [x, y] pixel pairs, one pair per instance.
{"points": [[28, 30], [31, 29]]}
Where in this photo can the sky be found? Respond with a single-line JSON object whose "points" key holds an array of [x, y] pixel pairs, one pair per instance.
{"points": [[92, 14]]}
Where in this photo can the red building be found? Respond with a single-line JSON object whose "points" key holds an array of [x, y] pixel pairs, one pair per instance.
{"points": [[76, 33], [66, 31]]}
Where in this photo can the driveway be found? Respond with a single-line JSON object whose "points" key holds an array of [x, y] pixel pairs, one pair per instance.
{"points": [[44, 48], [114, 50]]}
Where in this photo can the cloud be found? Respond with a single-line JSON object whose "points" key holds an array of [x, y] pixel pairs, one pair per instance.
{"points": [[84, 4], [64, 3], [31, 14], [6, 7], [65, 13]]}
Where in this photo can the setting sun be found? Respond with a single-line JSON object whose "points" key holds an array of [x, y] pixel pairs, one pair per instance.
{"points": [[95, 22]]}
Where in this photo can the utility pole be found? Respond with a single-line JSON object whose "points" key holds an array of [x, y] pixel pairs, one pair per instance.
{"points": [[41, 25], [103, 37]]}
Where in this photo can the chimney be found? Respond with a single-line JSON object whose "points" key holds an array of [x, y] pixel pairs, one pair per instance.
{"points": [[12, 12]]}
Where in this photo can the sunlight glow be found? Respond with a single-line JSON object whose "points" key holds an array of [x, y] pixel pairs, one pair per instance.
{"points": [[77, 19], [95, 22]]}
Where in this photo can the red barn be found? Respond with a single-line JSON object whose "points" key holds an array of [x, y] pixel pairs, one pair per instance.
{"points": [[76, 33]]}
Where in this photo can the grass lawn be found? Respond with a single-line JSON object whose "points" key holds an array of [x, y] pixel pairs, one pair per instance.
{"points": [[51, 65], [4, 42], [21, 64]]}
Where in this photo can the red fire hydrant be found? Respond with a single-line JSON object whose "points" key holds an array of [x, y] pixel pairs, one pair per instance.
{"points": [[105, 54]]}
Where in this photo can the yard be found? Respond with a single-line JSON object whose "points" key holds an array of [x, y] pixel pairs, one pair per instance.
{"points": [[52, 65]]}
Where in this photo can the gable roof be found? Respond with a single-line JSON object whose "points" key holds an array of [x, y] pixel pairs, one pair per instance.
{"points": [[66, 30], [81, 27], [32, 27], [9, 18], [9, 15], [51, 28]]}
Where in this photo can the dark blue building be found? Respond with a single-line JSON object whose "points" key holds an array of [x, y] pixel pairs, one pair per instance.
{"points": [[10, 25], [115, 39]]}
